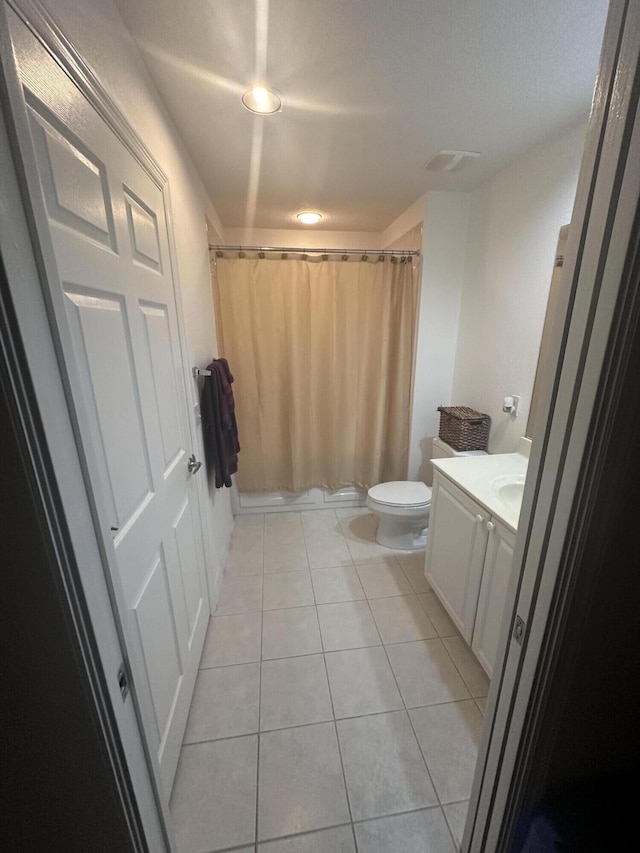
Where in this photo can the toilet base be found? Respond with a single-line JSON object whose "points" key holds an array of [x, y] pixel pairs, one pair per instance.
{"points": [[402, 534]]}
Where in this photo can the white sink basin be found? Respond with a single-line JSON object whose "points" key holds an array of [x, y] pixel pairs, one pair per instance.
{"points": [[509, 488]]}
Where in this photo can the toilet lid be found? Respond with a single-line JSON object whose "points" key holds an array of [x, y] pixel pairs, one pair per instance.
{"points": [[401, 493]]}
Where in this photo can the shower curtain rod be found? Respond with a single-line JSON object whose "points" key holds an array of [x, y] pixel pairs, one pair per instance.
{"points": [[299, 251]]}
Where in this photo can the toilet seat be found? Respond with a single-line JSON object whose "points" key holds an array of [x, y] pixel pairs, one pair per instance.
{"points": [[401, 493], [401, 509]]}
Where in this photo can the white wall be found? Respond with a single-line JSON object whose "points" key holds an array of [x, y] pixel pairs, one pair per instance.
{"points": [[444, 218], [97, 32], [513, 231], [302, 238], [394, 234], [436, 225]]}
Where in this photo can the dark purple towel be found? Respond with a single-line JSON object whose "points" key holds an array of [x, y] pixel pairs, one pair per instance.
{"points": [[220, 431]]}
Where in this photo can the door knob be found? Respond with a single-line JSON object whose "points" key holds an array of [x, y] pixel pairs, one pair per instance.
{"points": [[490, 526], [192, 465]]}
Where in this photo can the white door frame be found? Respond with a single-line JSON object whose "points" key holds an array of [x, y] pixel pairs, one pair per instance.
{"points": [[563, 470]]}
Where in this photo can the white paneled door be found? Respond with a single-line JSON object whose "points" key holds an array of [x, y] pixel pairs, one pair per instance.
{"points": [[122, 346]]}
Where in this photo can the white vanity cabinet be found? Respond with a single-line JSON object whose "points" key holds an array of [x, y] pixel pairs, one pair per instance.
{"points": [[456, 546], [496, 571], [468, 563]]}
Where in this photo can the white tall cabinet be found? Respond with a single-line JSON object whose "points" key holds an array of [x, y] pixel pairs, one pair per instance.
{"points": [[468, 563]]}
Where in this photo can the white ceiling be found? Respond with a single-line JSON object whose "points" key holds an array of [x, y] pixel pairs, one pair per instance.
{"points": [[371, 89]]}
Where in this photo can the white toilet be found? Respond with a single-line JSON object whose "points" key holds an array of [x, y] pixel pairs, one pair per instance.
{"points": [[402, 507]]}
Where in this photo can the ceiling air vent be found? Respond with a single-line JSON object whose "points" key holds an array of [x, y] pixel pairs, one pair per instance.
{"points": [[450, 161]]}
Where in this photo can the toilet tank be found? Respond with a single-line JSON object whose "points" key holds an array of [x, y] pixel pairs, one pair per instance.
{"points": [[440, 450]]}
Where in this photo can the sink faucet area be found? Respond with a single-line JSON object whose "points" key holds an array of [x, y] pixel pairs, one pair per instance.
{"points": [[509, 488], [496, 481]]}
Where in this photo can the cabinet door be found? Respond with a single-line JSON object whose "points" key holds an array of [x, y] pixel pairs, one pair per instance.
{"points": [[455, 552], [493, 593]]}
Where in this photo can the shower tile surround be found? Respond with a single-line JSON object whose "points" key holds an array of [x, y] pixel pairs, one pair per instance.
{"points": [[336, 707]]}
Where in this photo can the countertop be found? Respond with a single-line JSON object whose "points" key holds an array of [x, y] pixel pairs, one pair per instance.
{"points": [[473, 474]]}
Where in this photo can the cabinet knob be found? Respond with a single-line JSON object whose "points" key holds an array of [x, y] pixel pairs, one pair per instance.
{"points": [[490, 526], [479, 519]]}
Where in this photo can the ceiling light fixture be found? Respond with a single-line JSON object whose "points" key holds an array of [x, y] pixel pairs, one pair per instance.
{"points": [[308, 217], [262, 100]]}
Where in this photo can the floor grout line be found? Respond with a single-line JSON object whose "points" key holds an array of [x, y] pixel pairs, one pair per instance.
{"points": [[374, 622], [408, 811], [424, 758], [354, 836], [335, 720], [351, 824], [306, 541], [255, 835], [406, 710], [417, 739], [460, 670], [335, 723], [329, 720]]}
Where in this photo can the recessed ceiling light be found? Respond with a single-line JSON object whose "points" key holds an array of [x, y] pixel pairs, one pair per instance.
{"points": [[309, 218], [262, 100]]}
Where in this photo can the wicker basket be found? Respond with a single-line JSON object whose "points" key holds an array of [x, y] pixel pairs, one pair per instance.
{"points": [[464, 428]]}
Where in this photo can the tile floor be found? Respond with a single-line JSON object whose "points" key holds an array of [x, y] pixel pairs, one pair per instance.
{"points": [[337, 709]]}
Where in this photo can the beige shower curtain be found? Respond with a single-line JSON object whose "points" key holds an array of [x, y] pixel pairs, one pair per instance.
{"points": [[322, 354]]}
